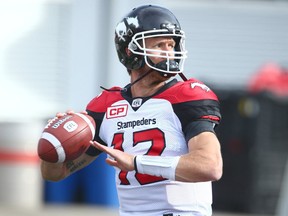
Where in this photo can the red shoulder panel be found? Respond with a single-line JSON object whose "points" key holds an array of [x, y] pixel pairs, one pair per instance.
{"points": [[104, 100], [189, 90]]}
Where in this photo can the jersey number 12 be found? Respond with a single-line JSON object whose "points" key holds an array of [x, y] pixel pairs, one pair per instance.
{"points": [[157, 139]]}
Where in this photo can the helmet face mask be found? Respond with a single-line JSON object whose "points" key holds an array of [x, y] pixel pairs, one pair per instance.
{"points": [[173, 60], [148, 22]]}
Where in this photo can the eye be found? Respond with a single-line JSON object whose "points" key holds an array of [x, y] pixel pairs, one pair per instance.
{"points": [[172, 45], [157, 46], [164, 45]]}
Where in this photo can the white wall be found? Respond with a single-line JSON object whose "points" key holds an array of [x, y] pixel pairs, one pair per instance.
{"points": [[33, 56], [54, 54], [229, 40]]}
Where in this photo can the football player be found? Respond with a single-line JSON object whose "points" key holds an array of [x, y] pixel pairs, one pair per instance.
{"points": [[158, 132]]}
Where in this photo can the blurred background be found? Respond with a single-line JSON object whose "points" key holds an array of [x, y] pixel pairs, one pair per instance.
{"points": [[54, 55]]}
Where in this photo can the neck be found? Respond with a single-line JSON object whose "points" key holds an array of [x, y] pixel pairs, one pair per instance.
{"points": [[147, 86], [145, 91]]}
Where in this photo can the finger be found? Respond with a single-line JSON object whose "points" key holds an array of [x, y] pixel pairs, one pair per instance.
{"points": [[70, 111], [101, 147], [84, 112], [96, 145], [110, 151], [52, 119], [60, 114], [111, 162]]}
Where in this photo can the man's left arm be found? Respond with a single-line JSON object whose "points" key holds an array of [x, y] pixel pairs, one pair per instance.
{"points": [[203, 162]]}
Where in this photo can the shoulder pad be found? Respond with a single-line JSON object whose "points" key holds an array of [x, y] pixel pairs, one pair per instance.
{"points": [[194, 89]]}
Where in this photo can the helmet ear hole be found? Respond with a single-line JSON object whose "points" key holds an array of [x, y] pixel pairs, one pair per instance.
{"points": [[132, 46], [128, 52]]}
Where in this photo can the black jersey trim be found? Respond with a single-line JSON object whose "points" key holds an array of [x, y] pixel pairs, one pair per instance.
{"points": [[195, 110], [127, 95], [98, 118], [197, 127]]}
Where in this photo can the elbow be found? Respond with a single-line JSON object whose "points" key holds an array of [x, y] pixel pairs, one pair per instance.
{"points": [[52, 172], [51, 178], [216, 171], [216, 174]]}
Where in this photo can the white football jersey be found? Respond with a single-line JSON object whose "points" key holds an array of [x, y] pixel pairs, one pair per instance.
{"points": [[155, 126]]}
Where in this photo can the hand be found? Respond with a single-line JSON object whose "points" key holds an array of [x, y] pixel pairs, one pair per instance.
{"points": [[61, 114], [68, 112], [122, 160]]}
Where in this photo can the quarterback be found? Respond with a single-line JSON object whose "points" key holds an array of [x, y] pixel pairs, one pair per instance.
{"points": [[157, 131]]}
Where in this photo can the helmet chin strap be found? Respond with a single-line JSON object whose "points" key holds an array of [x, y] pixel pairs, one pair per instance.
{"points": [[137, 80], [173, 65], [184, 78]]}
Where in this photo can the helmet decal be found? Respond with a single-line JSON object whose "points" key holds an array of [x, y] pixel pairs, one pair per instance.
{"points": [[122, 29]]}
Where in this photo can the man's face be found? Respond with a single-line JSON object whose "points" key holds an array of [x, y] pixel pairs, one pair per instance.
{"points": [[158, 45]]}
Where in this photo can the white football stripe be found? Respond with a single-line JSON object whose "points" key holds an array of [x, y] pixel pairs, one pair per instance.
{"points": [[56, 143], [86, 119]]}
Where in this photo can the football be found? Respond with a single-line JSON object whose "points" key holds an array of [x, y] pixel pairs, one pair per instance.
{"points": [[66, 138]]}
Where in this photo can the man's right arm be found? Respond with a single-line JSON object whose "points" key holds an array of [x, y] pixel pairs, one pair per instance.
{"points": [[59, 171]]}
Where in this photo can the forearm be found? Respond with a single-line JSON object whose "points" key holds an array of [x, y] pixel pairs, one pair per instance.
{"points": [[59, 171], [53, 171], [202, 163], [198, 168], [187, 168]]}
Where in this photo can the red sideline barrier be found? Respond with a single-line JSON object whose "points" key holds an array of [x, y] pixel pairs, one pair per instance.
{"points": [[17, 157]]}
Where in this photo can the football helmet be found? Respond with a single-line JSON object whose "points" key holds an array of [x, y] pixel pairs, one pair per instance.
{"points": [[145, 22]]}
